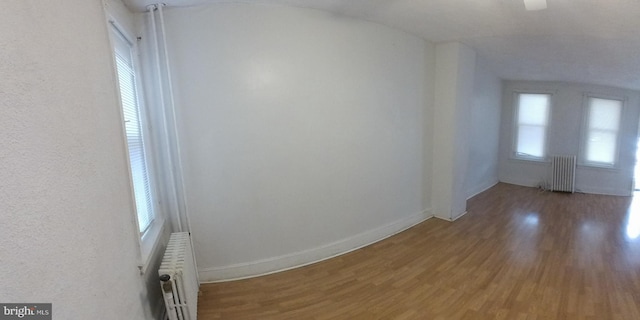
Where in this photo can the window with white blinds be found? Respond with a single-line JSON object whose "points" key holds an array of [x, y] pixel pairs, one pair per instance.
{"points": [[532, 119], [133, 128], [603, 124]]}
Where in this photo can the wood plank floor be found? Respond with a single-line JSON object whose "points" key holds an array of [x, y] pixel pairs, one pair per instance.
{"points": [[519, 253]]}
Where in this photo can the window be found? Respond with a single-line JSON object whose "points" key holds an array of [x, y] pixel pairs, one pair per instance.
{"points": [[532, 117], [149, 221], [132, 118], [601, 136]]}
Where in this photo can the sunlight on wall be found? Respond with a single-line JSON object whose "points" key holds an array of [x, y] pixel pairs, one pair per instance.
{"points": [[633, 224]]}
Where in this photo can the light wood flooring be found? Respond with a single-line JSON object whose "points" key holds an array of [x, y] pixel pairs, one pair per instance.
{"points": [[519, 253]]}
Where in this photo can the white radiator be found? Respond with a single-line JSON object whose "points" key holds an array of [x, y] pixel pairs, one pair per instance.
{"points": [[179, 279], [563, 173]]}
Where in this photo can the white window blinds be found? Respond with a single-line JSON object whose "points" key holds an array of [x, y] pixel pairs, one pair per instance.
{"points": [[531, 125], [602, 131], [133, 128]]}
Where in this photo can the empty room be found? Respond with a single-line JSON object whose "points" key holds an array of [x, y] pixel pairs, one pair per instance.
{"points": [[305, 159]]}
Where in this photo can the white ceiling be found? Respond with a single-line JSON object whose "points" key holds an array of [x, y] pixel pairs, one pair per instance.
{"points": [[591, 41]]}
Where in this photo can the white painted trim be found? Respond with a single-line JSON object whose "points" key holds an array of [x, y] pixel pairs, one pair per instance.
{"points": [[483, 188], [442, 217], [579, 188], [149, 243], [458, 216], [310, 256], [604, 191], [523, 182], [452, 219]]}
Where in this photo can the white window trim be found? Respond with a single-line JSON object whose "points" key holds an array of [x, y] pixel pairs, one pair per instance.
{"points": [[150, 238], [513, 155], [582, 158]]}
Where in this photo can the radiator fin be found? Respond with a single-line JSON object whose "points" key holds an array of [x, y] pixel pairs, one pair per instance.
{"points": [[563, 173], [180, 291]]}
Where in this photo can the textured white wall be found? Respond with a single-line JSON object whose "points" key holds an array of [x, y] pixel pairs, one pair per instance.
{"points": [[564, 137], [65, 201], [484, 130], [302, 133]]}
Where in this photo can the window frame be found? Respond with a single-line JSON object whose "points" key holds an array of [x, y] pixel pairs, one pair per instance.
{"points": [[515, 125], [149, 238], [584, 132]]}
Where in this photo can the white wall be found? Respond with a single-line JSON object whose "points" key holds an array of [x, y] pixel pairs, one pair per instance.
{"points": [[65, 200], [302, 133], [454, 79], [484, 130], [564, 137]]}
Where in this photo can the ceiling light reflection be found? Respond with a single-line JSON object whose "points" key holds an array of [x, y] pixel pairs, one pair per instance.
{"points": [[532, 219]]}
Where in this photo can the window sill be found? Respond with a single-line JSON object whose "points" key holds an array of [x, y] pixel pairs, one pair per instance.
{"points": [[534, 160], [598, 167], [149, 243]]}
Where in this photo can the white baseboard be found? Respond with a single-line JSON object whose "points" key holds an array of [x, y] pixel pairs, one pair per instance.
{"points": [[579, 188], [459, 216], [604, 191], [522, 182], [310, 256], [451, 219], [482, 188]]}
